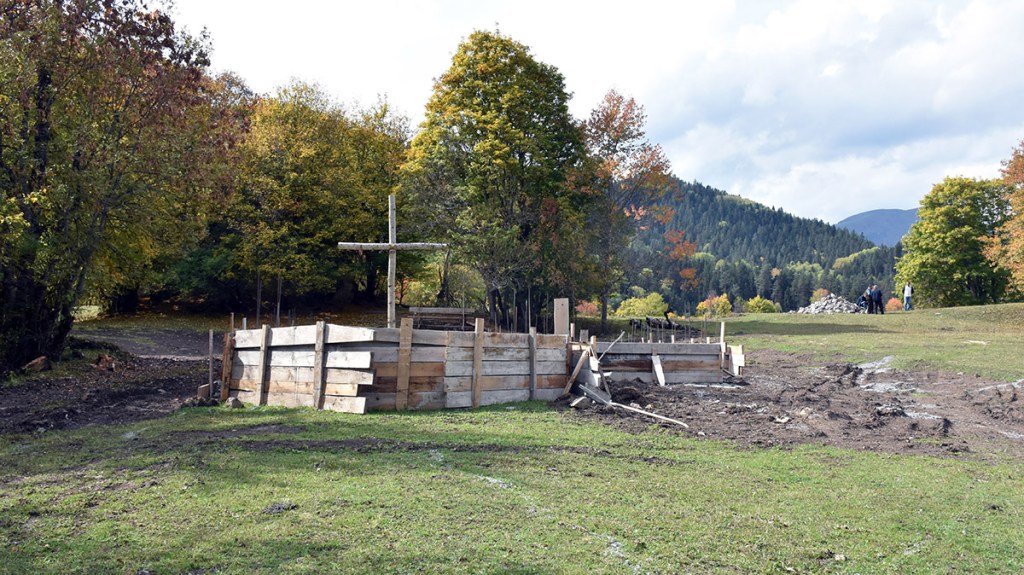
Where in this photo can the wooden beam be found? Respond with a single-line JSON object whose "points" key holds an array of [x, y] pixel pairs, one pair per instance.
{"points": [[404, 364], [264, 361], [659, 373], [478, 356], [227, 366], [533, 362], [575, 373], [318, 365]]}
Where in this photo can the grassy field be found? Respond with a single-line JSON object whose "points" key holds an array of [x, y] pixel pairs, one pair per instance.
{"points": [[986, 340], [521, 488]]}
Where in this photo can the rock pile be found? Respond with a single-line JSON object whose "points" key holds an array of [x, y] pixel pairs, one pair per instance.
{"points": [[831, 303]]}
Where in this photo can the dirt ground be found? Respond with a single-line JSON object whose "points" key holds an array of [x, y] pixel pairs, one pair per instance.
{"points": [[785, 399], [781, 400]]}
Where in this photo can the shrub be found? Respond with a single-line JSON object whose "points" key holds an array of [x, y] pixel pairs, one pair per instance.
{"points": [[715, 306], [818, 294], [652, 305], [893, 305], [587, 308], [758, 304]]}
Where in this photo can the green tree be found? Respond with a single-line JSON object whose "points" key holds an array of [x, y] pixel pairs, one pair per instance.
{"points": [[314, 174], [100, 145], [488, 168], [650, 305], [943, 252]]}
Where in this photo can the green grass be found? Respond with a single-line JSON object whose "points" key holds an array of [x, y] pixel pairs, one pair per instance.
{"points": [[506, 489], [984, 340]]}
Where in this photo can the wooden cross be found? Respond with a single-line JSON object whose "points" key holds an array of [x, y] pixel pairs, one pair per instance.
{"points": [[392, 247]]}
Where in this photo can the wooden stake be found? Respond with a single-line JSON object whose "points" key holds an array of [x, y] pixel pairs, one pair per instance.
{"points": [[478, 356], [404, 364], [318, 365], [532, 337], [264, 363], [227, 365]]}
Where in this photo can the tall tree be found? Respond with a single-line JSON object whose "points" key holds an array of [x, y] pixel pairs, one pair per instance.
{"points": [[94, 145], [488, 168], [1006, 249], [629, 176], [943, 250], [314, 174]]}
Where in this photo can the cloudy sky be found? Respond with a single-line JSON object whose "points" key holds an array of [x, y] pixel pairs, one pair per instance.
{"points": [[824, 108]]}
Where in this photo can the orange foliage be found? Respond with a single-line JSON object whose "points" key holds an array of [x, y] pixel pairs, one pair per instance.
{"points": [[893, 305]]}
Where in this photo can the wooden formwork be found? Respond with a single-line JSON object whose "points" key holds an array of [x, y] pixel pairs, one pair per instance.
{"points": [[355, 369]]}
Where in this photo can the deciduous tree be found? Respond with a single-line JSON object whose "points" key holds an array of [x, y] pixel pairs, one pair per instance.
{"points": [[1006, 249], [96, 149], [943, 252]]}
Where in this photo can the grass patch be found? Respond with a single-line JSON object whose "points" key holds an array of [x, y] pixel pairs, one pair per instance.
{"points": [[984, 340], [505, 489]]}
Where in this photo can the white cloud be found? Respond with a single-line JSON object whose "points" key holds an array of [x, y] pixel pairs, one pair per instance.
{"points": [[802, 104]]}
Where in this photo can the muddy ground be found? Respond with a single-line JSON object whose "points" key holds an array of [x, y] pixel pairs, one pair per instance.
{"points": [[781, 400]]}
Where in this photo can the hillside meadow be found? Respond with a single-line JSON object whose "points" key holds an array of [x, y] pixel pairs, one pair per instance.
{"points": [[523, 488]]}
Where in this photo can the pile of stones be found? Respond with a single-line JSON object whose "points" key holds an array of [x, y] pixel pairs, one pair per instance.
{"points": [[831, 303]]}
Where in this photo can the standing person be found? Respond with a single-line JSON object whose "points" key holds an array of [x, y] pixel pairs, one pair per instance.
{"points": [[908, 290], [876, 297], [869, 297]]}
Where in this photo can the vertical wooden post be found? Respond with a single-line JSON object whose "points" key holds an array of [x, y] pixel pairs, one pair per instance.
{"points": [[261, 391], [227, 365], [404, 363], [584, 335], [721, 345], [562, 316], [392, 258], [209, 379], [478, 357], [532, 337], [319, 388]]}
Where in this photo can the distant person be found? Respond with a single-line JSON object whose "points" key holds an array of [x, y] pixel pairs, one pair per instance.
{"points": [[876, 299], [869, 298], [862, 304], [908, 290]]}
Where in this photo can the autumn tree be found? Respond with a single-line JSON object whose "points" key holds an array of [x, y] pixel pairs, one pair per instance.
{"points": [[96, 150], [1006, 249], [629, 175], [943, 252], [487, 171], [314, 173]]}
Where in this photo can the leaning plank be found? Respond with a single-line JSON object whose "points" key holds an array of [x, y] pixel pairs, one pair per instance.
{"points": [[579, 367], [227, 366], [533, 361], [659, 373]]}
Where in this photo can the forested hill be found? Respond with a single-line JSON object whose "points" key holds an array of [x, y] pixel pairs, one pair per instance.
{"points": [[734, 228], [745, 249]]}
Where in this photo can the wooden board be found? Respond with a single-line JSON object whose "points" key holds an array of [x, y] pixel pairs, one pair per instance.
{"points": [[659, 348], [465, 368], [302, 335], [417, 401], [465, 398], [306, 358], [248, 377], [345, 404]]}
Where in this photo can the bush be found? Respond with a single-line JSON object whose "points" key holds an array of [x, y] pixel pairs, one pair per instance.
{"points": [[758, 304], [715, 306], [893, 305], [818, 294], [587, 308], [652, 305]]}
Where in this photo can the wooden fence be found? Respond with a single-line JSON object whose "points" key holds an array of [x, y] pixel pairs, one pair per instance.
{"points": [[355, 369]]}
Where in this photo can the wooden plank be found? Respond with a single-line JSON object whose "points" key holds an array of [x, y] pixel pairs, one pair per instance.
{"points": [[549, 394], [345, 404], [318, 365], [533, 361], [465, 398], [659, 373], [562, 316], [506, 354], [415, 369], [579, 366], [404, 363], [419, 336], [307, 358], [465, 368], [416, 385], [442, 310], [478, 355], [248, 377], [389, 354], [551, 341], [263, 363], [659, 348], [227, 366], [343, 389]]}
